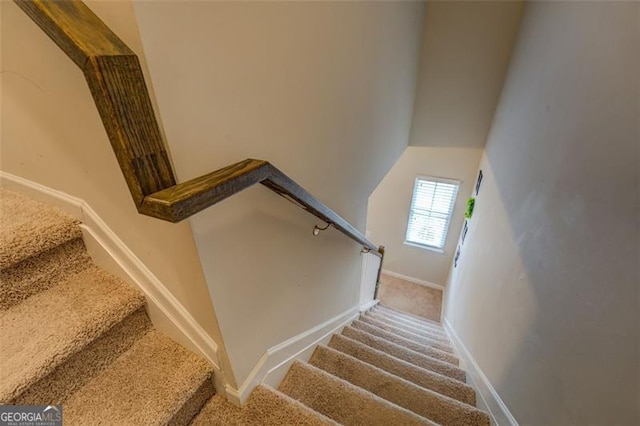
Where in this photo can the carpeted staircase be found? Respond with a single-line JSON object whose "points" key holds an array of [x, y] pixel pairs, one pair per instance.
{"points": [[386, 368], [75, 335]]}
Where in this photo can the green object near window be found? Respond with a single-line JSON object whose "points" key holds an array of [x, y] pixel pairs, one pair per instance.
{"points": [[471, 202]]}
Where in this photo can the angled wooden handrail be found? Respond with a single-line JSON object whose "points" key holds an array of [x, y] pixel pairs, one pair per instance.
{"points": [[117, 85]]}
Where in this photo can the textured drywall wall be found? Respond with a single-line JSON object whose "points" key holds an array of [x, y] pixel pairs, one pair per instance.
{"points": [[545, 296], [464, 59], [390, 203], [324, 91], [52, 134]]}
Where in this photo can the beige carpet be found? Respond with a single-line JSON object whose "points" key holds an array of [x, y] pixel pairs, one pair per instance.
{"points": [[265, 406], [409, 297], [386, 368], [378, 372], [72, 334]]}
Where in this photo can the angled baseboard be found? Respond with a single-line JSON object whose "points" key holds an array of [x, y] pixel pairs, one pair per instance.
{"points": [[412, 280], [111, 254], [498, 410], [274, 364], [365, 307]]}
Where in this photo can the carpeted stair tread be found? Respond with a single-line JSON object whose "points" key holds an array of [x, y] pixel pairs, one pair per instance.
{"points": [[265, 407], [405, 354], [439, 333], [418, 320], [407, 343], [42, 271], [28, 228], [420, 376], [440, 344], [77, 370], [155, 382], [424, 402], [422, 331], [410, 320], [341, 401], [50, 327]]}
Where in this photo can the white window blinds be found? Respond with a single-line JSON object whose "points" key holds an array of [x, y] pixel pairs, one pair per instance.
{"points": [[431, 209]]}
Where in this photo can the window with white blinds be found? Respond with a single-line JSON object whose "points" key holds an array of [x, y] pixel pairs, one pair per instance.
{"points": [[431, 209]]}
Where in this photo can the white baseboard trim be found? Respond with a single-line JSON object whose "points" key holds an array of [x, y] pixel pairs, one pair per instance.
{"points": [[274, 364], [366, 306], [498, 410], [413, 280], [109, 252]]}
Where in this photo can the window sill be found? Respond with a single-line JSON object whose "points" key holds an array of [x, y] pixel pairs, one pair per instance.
{"points": [[420, 246]]}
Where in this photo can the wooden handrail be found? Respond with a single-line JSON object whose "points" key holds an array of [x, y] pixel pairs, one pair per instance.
{"points": [[117, 85]]}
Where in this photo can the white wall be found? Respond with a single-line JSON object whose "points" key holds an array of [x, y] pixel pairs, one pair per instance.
{"points": [[390, 203], [322, 90], [465, 54], [545, 296], [52, 135]]}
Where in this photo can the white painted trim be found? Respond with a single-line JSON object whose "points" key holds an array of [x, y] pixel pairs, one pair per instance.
{"points": [[413, 280], [367, 306], [95, 230], [65, 202], [369, 275], [498, 410], [275, 362]]}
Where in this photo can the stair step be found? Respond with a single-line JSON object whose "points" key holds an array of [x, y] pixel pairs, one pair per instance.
{"points": [[42, 271], [420, 376], [155, 382], [265, 407], [75, 372], [54, 326], [424, 402], [343, 402], [405, 354], [402, 316], [28, 228], [407, 316], [423, 331], [438, 343], [408, 343]]}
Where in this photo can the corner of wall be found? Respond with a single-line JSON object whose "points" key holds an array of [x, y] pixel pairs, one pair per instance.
{"points": [[498, 410]]}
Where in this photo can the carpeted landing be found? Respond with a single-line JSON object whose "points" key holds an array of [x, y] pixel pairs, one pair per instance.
{"points": [[74, 335]]}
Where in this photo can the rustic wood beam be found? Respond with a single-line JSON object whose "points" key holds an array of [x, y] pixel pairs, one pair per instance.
{"points": [[118, 88]]}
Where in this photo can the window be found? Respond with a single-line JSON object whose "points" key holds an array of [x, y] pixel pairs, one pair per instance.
{"points": [[430, 213]]}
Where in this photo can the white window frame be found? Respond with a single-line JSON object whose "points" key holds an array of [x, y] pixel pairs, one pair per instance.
{"points": [[436, 179]]}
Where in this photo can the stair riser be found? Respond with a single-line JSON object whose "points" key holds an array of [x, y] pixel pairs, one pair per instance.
{"points": [[412, 357], [58, 385], [193, 406], [420, 376], [422, 339], [41, 272], [409, 320], [409, 344], [14, 248], [427, 331]]}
